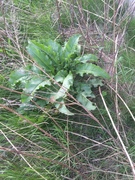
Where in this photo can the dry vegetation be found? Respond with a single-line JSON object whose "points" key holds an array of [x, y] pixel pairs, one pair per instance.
{"points": [[42, 144]]}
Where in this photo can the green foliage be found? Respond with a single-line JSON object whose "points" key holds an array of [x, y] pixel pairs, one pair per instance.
{"points": [[57, 70], [131, 33], [21, 133], [34, 19], [70, 15], [2, 79], [85, 142]]}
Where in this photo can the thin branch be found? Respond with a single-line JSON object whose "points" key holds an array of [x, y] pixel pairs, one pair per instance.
{"points": [[119, 137]]}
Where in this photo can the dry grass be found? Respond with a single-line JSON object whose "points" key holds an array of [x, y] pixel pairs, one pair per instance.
{"points": [[89, 146]]}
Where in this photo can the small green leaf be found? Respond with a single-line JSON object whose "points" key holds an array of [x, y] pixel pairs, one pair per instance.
{"points": [[54, 46], [89, 68], [104, 93], [63, 109], [95, 82], [60, 76], [85, 102], [71, 46]]}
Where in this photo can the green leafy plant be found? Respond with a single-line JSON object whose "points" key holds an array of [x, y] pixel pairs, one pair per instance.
{"points": [[57, 71]]}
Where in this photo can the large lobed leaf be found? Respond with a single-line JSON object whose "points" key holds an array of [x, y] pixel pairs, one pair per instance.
{"points": [[84, 88], [24, 74], [32, 86], [43, 55], [89, 68], [31, 79], [68, 81], [85, 102], [88, 58], [62, 93], [20, 75]]}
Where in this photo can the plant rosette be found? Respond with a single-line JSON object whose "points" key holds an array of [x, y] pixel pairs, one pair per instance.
{"points": [[56, 72]]}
